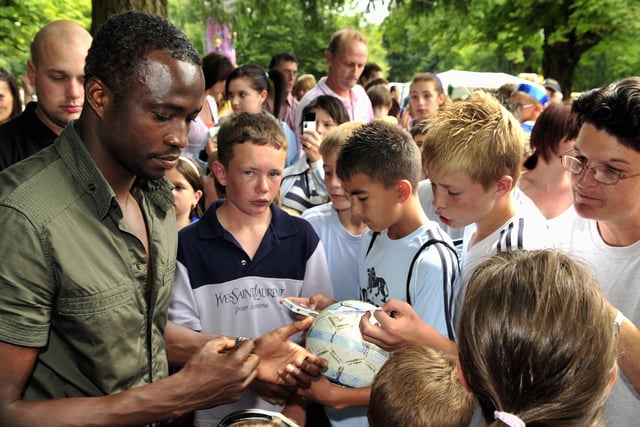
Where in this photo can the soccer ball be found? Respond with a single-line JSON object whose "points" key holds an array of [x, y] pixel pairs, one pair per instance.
{"points": [[335, 336]]}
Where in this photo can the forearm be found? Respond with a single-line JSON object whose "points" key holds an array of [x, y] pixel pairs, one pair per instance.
{"points": [[296, 409], [629, 352], [182, 343], [329, 394], [162, 400], [342, 397], [424, 334]]}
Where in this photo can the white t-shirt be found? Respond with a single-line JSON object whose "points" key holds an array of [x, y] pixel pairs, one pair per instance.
{"points": [[528, 229], [617, 269], [432, 287], [341, 247]]}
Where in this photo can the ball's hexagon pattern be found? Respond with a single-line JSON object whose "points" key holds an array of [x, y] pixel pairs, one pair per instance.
{"points": [[335, 336]]}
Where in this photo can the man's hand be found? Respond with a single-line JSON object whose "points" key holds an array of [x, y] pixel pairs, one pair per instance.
{"points": [[283, 362], [274, 394], [220, 372]]}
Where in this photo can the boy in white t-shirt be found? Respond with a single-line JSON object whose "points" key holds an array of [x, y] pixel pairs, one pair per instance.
{"points": [[407, 259], [341, 232], [379, 167], [473, 155]]}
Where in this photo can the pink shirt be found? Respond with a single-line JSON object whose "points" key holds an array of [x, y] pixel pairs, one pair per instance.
{"points": [[287, 110], [359, 107]]}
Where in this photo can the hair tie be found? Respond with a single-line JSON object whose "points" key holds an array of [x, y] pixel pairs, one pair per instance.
{"points": [[534, 92], [509, 419], [191, 164]]}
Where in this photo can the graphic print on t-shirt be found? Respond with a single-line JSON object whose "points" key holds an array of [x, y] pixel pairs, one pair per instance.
{"points": [[377, 291]]}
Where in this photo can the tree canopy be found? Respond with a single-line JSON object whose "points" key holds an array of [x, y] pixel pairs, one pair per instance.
{"points": [[21, 20], [555, 38], [581, 43]]}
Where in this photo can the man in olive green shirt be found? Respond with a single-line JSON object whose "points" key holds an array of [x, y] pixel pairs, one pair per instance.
{"points": [[89, 244]]}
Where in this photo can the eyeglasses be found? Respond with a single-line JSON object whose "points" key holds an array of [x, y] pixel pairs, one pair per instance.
{"points": [[602, 174], [519, 106]]}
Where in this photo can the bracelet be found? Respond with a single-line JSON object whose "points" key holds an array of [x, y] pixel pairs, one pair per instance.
{"points": [[240, 340], [617, 322]]}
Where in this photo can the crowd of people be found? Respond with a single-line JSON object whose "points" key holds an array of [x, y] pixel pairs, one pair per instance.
{"points": [[157, 206]]}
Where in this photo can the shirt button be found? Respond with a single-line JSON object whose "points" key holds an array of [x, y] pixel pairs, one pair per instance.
{"points": [[243, 262]]}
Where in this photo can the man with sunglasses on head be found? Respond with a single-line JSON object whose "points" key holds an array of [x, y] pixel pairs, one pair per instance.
{"points": [[605, 175]]}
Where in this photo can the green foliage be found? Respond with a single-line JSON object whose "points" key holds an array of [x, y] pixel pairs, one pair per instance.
{"points": [[612, 59], [21, 20], [418, 35], [190, 17], [515, 36], [264, 28], [284, 26]]}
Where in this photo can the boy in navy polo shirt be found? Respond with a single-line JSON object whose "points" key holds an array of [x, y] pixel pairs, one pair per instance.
{"points": [[246, 254]]}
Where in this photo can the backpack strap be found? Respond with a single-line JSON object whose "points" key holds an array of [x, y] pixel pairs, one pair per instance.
{"points": [[447, 295], [446, 284], [373, 239]]}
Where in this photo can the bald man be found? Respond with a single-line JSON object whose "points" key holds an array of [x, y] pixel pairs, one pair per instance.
{"points": [[56, 71]]}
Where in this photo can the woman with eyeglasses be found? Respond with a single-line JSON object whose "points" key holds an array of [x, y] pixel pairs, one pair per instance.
{"points": [[544, 180], [605, 181]]}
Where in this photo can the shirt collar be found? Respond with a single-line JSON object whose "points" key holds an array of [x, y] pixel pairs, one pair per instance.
{"points": [[282, 224], [73, 152]]}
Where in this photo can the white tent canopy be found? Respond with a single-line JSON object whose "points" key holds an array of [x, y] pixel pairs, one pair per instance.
{"points": [[458, 83], [477, 79]]}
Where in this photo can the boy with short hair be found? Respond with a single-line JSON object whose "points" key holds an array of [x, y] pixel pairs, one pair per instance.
{"points": [[420, 386], [381, 102], [528, 100], [407, 257], [341, 232], [473, 156], [245, 254]]}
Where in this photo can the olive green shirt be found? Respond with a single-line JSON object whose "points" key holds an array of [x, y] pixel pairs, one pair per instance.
{"points": [[73, 278]]}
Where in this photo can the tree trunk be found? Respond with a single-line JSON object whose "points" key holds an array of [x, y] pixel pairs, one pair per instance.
{"points": [[560, 59], [101, 10]]}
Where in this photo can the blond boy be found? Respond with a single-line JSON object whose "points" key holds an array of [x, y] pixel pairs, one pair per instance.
{"points": [[472, 155], [420, 386]]}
